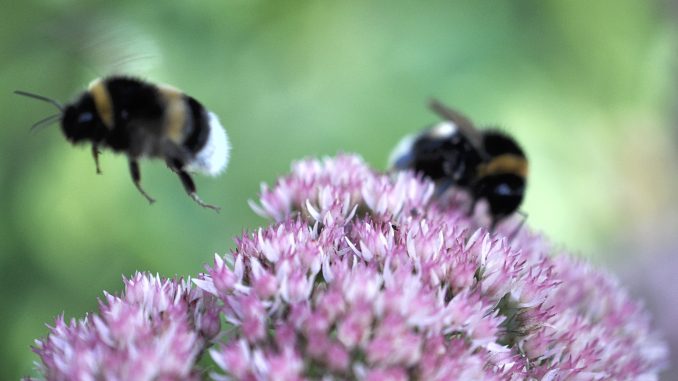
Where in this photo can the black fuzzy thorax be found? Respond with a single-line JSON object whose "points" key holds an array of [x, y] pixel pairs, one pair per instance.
{"points": [[138, 113], [449, 157]]}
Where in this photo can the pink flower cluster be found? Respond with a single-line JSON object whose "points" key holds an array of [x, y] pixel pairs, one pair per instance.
{"points": [[155, 331], [367, 276]]}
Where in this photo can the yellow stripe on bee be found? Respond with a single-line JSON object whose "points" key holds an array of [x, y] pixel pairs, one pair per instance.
{"points": [[176, 112], [102, 101], [502, 164]]}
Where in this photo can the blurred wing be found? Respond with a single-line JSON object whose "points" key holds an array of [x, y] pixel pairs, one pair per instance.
{"points": [[114, 48], [464, 125]]}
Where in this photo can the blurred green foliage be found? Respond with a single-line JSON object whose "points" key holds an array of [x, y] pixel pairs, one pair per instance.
{"points": [[585, 86]]}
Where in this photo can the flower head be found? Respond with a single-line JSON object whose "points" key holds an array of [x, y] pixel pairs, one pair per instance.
{"points": [[368, 276], [153, 331], [377, 279]]}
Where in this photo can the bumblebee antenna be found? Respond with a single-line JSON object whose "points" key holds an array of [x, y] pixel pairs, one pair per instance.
{"points": [[45, 122], [40, 97]]}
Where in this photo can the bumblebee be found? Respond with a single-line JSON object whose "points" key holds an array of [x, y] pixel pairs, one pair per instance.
{"points": [[144, 120], [488, 163]]}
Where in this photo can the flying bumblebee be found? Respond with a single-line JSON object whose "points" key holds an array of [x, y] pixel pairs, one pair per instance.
{"points": [[145, 120], [487, 163]]}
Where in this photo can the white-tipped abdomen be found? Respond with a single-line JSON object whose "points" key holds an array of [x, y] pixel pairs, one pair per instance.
{"points": [[212, 159]]}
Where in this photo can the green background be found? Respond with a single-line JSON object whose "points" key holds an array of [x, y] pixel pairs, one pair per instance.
{"points": [[587, 87]]}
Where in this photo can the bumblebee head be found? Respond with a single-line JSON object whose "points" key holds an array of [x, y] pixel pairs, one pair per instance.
{"points": [[80, 121], [503, 192]]}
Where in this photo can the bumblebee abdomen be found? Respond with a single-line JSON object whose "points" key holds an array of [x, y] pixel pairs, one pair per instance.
{"points": [[185, 120], [501, 177], [201, 138], [504, 156], [196, 138], [497, 143], [212, 157], [504, 164], [503, 191]]}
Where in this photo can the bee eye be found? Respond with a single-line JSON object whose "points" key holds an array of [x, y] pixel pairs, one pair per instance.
{"points": [[85, 117]]}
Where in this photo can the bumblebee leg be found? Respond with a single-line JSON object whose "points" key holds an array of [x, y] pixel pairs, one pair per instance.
{"points": [[136, 177], [472, 208], [520, 225], [493, 225], [95, 154], [189, 185], [442, 186]]}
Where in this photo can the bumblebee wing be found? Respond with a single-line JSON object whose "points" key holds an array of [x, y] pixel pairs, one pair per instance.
{"points": [[465, 126]]}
